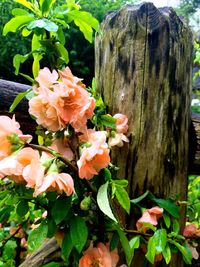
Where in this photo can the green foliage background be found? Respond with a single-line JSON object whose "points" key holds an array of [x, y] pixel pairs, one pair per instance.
{"points": [[81, 52]]}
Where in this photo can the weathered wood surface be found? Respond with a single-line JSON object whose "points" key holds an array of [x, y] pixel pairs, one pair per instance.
{"points": [[8, 92], [50, 251], [143, 69]]}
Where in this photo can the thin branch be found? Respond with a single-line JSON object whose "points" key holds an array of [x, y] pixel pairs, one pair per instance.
{"points": [[11, 236], [136, 232], [55, 154]]}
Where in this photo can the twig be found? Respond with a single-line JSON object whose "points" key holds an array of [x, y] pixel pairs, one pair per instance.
{"points": [[136, 232], [55, 154], [11, 236]]}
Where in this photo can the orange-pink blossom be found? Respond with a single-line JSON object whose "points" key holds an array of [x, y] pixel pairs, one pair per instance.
{"points": [[61, 102], [150, 216], [191, 230], [9, 127], [95, 157], [121, 129], [99, 256]]}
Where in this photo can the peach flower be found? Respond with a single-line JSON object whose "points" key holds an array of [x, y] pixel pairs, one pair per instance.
{"points": [[13, 166], [62, 147], [195, 254], [60, 182], [121, 128], [95, 157], [99, 256], [45, 112], [8, 127], [62, 102], [150, 216], [45, 79], [121, 123], [191, 230]]}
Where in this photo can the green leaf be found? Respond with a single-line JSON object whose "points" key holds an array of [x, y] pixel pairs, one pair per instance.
{"points": [[156, 244], [114, 241], [17, 60], [160, 240], [36, 237], [60, 209], [108, 121], [51, 264], [36, 64], [67, 246], [26, 4], [103, 201], [85, 21], [43, 24], [176, 226], [169, 206], [15, 23], [29, 79], [140, 198], [123, 198], [61, 36], [62, 52], [46, 6], [151, 250], [22, 208], [134, 244], [18, 99], [122, 182], [26, 32], [166, 219], [19, 12], [107, 174], [125, 244], [167, 254], [78, 233], [185, 251], [51, 228]]}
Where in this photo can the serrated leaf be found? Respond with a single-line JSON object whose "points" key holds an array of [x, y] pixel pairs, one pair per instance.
{"points": [[18, 99], [67, 246], [36, 237], [167, 254], [78, 233], [16, 23], [60, 209], [22, 208], [122, 197], [85, 21], [43, 24], [17, 60], [103, 201], [140, 198], [169, 206]]}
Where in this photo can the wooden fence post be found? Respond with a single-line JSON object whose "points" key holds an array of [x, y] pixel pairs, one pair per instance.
{"points": [[143, 70]]}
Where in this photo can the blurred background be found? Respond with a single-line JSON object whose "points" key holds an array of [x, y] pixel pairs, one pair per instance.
{"points": [[80, 50]]}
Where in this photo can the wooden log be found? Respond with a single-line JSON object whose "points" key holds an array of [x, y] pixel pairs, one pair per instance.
{"points": [[8, 92], [143, 70], [48, 252]]}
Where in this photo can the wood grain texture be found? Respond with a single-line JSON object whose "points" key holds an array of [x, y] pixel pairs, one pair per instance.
{"points": [[48, 252], [143, 69], [8, 91]]}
